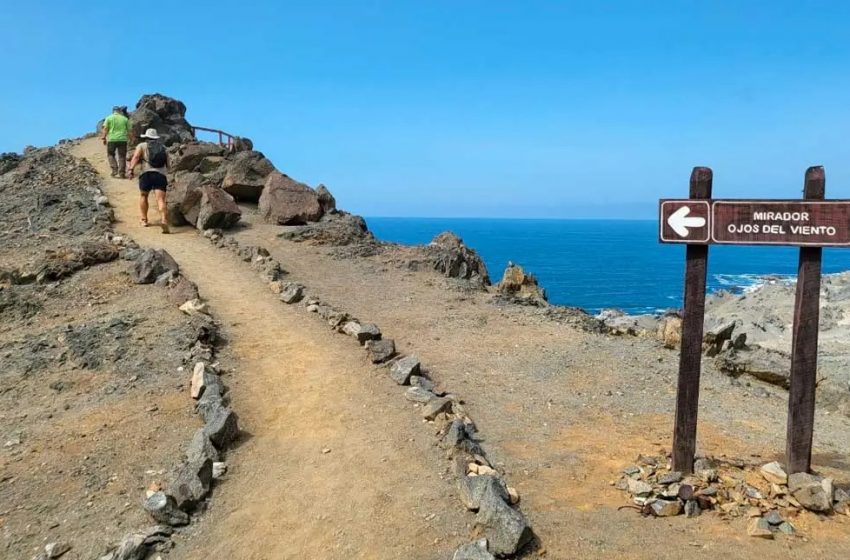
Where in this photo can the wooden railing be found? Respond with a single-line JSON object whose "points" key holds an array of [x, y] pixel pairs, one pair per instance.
{"points": [[221, 136]]}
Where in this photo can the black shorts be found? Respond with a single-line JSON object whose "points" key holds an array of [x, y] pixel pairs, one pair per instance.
{"points": [[152, 181]]}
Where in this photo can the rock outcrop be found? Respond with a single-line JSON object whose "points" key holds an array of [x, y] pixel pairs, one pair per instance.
{"points": [[453, 259], [287, 202], [166, 114], [194, 155], [520, 287]]}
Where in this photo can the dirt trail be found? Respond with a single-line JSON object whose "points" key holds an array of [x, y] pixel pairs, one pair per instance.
{"points": [[298, 390], [563, 411]]}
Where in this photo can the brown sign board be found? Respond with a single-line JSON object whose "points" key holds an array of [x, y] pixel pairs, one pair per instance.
{"points": [[799, 223]]}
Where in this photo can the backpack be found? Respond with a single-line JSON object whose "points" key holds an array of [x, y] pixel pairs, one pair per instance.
{"points": [[156, 154]]}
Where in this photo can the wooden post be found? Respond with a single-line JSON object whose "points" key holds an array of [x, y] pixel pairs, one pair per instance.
{"points": [[687, 392], [804, 344]]}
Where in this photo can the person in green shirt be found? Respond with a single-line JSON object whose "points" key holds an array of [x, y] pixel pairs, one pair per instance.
{"points": [[115, 134]]}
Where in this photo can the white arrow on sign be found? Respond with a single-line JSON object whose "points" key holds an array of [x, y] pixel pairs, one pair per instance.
{"points": [[680, 222]]}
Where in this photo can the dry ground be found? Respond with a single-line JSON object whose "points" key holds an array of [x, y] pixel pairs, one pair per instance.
{"points": [[563, 411]]}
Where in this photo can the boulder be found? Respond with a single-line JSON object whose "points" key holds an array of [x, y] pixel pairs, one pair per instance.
{"points": [[182, 290], [419, 394], [380, 350], [453, 259], [151, 264], [363, 333], [176, 197], [435, 406], [285, 201], [166, 114], [337, 228], [216, 209], [402, 369], [163, 508], [326, 199], [245, 175], [505, 528], [520, 287], [188, 157]]}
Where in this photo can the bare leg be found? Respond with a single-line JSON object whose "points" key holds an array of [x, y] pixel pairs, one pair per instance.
{"points": [[163, 210], [143, 207]]}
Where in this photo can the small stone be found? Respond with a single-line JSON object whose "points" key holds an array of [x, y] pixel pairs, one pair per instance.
{"points": [[513, 494], [753, 512], [666, 508], [472, 488], [421, 382], [194, 306], [380, 350], [505, 528], [486, 470], [692, 508], [276, 286], [292, 293], [368, 331], [631, 470], [670, 478], [753, 493], [707, 475], [639, 488], [192, 484], [473, 551], [221, 426], [786, 528], [313, 308], [418, 394], [403, 369], [218, 469], [326, 450], [201, 448], [773, 472], [56, 549], [197, 385], [812, 492], [760, 528], [163, 509], [773, 517], [435, 406]]}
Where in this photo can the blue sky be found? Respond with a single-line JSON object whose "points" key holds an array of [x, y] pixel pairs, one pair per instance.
{"points": [[463, 108]]}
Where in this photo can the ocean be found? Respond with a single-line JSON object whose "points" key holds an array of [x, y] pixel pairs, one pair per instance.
{"points": [[599, 264]]}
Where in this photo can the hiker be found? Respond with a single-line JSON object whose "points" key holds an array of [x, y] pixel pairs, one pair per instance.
{"points": [[151, 154], [115, 133]]}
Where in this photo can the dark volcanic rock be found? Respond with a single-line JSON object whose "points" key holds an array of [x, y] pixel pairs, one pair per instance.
{"points": [[167, 115], [506, 529], [338, 228], [151, 264], [221, 426], [245, 175], [217, 209], [188, 157], [771, 366], [286, 202], [455, 260], [163, 509], [473, 488], [402, 369], [192, 483], [380, 350], [184, 198]]}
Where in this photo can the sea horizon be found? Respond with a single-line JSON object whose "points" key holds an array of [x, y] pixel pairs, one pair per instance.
{"points": [[602, 263]]}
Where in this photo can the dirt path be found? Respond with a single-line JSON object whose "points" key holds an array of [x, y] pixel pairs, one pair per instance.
{"points": [[563, 411], [298, 390]]}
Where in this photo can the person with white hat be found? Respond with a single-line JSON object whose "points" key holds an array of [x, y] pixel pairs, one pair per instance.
{"points": [[154, 177]]}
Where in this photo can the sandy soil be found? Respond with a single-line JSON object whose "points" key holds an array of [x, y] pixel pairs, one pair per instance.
{"points": [[563, 410], [382, 489]]}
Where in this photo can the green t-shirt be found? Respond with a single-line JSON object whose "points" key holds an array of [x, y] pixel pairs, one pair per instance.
{"points": [[117, 128]]}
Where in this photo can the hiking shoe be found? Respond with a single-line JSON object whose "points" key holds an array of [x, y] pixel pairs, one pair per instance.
{"points": [[114, 174], [122, 176], [165, 228]]}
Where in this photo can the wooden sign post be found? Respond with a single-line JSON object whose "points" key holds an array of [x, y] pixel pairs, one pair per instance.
{"points": [[810, 224]]}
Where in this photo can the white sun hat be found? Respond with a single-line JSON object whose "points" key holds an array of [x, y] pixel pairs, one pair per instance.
{"points": [[151, 133]]}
